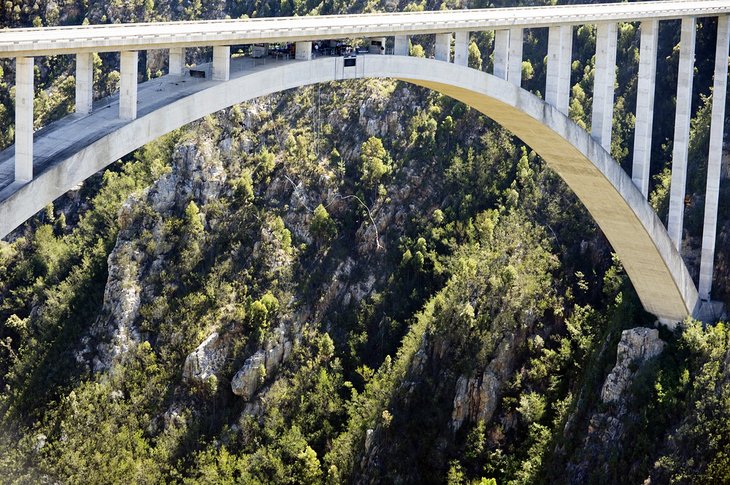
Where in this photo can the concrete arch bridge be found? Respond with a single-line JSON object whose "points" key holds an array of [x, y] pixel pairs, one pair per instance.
{"points": [[42, 166]]}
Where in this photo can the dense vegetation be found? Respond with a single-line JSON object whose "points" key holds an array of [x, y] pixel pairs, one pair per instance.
{"points": [[445, 310]]}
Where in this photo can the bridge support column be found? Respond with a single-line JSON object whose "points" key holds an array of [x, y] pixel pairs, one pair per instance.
{"points": [[222, 63], [400, 45], [560, 52], [24, 119], [303, 51], [461, 48], [603, 84], [128, 85], [508, 55], [683, 115], [176, 61], [84, 82], [645, 105], [443, 47], [714, 161]]}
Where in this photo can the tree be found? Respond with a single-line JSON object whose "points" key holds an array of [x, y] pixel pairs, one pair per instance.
{"points": [[374, 161], [475, 56], [322, 227]]}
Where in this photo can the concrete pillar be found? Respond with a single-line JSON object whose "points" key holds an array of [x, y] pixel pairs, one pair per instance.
{"points": [[443, 47], [508, 55], [128, 85], [400, 47], [719, 94], [303, 51], [560, 52], [461, 48], [501, 53], [84, 82], [222, 62], [24, 119], [603, 84], [176, 61], [681, 130], [645, 105], [514, 66]]}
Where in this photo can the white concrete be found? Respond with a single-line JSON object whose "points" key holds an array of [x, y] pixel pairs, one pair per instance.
{"points": [[24, 93], [120, 37], [442, 47], [128, 85], [603, 84], [461, 48], [377, 45], [176, 61], [508, 55], [636, 234], [222, 62], [559, 58], [400, 45], [714, 160], [303, 51], [514, 64], [501, 53], [645, 106], [680, 149], [84, 82]]}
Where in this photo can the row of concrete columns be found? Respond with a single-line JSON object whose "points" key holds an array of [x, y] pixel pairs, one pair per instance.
{"points": [[508, 55]]}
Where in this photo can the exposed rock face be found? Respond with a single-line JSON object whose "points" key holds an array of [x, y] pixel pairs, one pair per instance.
{"points": [[197, 174], [115, 327], [605, 433], [637, 345], [206, 360], [262, 364], [476, 398], [249, 377]]}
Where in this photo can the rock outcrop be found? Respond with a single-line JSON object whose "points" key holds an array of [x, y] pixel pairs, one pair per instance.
{"points": [[476, 398], [637, 345], [605, 430], [206, 360], [115, 328], [261, 365]]}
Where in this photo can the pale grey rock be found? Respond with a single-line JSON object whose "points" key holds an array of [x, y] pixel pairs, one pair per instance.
{"points": [[637, 345], [248, 378], [261, 365], [115, 327], [206, 360], [476, 398]]}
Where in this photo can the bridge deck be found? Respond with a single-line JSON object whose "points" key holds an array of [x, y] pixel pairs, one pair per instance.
{"points": [[61, 139], [116, 37]]}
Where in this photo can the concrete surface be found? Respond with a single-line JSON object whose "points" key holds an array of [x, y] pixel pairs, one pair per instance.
{"points": [[76, 149], [680, 148], [714, 159], [120, 37]]}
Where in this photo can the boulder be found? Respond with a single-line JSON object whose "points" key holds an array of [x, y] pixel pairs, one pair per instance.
{"points": [[247, 379]]}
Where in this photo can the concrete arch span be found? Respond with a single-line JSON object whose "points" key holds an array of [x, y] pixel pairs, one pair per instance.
{"points": [[631, 226]]}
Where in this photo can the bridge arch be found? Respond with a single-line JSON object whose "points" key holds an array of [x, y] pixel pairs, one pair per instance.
{"points": [[637, 235]]}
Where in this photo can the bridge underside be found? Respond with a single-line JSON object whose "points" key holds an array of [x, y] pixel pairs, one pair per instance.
{"points": [[71, 150]]}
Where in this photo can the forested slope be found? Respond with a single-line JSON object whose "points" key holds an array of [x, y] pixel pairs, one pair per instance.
{"points": [[355, 282]]}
